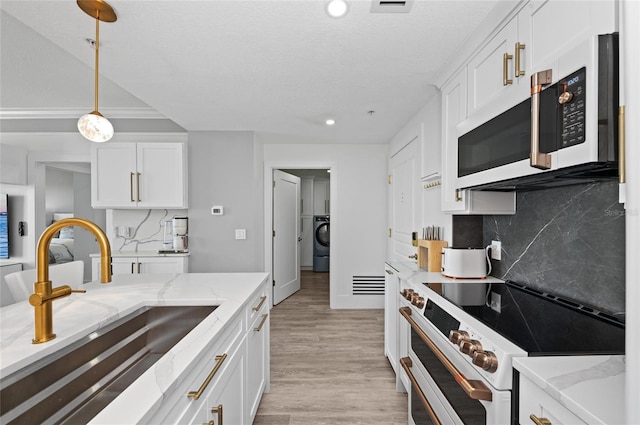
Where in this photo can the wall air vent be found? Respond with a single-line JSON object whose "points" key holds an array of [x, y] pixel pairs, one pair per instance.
{"points": [[391, 6], [368, 285]]}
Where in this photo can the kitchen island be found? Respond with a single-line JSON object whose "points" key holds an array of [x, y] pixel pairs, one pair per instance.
{"points": [[242, 299]]}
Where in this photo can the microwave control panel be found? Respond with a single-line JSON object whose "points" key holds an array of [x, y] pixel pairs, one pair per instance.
{"points": [[572, 103]]}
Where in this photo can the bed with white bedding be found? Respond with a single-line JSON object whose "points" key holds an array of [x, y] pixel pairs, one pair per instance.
{"points": [[61, 247]]}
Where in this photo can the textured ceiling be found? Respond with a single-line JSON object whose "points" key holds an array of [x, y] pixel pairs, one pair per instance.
{"points": [[274, 66]]}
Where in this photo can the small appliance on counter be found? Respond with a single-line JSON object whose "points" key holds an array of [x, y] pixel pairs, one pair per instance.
{"points": [[465, 263], [175, 238]]}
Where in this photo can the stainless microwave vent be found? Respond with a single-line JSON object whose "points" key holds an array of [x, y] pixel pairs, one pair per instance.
{"points": [[391, 6]]}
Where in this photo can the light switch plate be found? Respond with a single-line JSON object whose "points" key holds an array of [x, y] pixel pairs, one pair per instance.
{"points": [[241, 233], [496, 250], [217, 210]]}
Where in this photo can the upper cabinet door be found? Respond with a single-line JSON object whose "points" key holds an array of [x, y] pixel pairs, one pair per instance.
{"points": [[113, 176], [161, 175], [139, 175], [492, 75]]}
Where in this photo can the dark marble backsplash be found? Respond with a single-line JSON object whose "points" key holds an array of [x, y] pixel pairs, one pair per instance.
{"points": [[566, 241]]}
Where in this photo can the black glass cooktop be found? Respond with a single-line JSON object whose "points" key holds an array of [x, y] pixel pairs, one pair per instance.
{"points": [[544, 324]]}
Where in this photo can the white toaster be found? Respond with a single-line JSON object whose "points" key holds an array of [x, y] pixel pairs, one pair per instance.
{"points": [[464, 263]]}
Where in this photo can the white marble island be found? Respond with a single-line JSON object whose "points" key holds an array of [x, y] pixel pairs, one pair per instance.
{"points": [[80, 314]]}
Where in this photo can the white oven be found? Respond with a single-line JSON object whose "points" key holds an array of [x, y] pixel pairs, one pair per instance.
{"points": [[446, 385]]}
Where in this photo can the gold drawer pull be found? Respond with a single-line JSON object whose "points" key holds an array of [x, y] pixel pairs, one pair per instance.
{"points": [[218, 410], [264, 319], [519, 48], [539, 421], [131, 186], [259, 306], [196, 394], [505, 69]]}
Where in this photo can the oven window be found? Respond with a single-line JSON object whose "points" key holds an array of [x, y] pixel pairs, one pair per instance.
{"points": [[470, 411], [419, 414]]}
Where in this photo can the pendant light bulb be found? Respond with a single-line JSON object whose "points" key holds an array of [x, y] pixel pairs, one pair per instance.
{"points": [[94, 126]]}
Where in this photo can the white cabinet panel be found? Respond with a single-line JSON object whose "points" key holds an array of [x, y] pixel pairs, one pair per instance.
{"points": [[306, 253], [136, 265], [534, 401], [139, 175], [321, 197]]}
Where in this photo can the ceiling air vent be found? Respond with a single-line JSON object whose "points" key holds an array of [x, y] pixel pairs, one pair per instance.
{"points": [[391, 6]]}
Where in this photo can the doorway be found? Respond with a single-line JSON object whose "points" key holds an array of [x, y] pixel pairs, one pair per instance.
{"points": [[316, 196]]}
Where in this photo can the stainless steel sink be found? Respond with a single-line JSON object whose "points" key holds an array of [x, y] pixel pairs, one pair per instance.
{"points": [[77, 382]]}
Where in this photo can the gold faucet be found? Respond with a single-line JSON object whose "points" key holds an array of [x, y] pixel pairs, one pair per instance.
{"points": [[44, 295]]}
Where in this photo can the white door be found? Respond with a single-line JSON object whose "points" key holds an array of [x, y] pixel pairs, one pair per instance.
{"points": [[286, 235], [404, 194]]}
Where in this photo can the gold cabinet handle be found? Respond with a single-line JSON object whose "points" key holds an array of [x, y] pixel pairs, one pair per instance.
{"points": [[131, 186], [458, 196], [218, 410], [132, 266], [519, 48], [138, 188], [505, 69], [476, 390], [264, 319], [139, 265], [539, 421], [387, 271], [622, 178], [259, 306], [537, 159], [406, 365], [196, 394]]}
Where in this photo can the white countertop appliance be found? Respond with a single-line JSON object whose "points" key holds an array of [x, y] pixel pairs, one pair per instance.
{"points": [[467, 263]]}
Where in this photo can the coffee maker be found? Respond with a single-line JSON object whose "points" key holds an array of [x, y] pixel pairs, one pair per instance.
{"points": [[180, 227], [175, 235]]}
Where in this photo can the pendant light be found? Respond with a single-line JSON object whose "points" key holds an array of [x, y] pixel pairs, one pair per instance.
{"points": [[93, 126]]}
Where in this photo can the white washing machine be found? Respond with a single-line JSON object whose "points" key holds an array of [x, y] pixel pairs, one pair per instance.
{"points": [[320, 243]]}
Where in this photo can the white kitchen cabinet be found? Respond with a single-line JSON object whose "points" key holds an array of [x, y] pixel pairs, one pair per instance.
{"points": [[496, 72], [139, 175], [258, 357], [321, 196], [306, 196], [137, 265], [453, 199], [535, 401], [306, 247], [391, 316]]}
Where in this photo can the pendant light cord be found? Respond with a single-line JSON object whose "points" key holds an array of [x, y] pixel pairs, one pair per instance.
{"points": [[97, 53]]}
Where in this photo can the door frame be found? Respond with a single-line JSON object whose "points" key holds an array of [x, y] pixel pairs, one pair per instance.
{"points": [[269, 166]]}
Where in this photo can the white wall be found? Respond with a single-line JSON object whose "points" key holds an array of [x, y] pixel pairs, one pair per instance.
{"points": [[358, 208], [59, 192], [223, 171]]}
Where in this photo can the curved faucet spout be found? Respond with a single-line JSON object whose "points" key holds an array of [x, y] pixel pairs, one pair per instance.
{"points": [[44, 294]]}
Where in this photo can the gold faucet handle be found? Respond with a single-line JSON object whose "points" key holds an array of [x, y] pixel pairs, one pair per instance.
{"points": [[56, 293]]}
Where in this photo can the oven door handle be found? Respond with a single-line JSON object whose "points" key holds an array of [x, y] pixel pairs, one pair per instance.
{"points": [[406, 365], [475, 389]]}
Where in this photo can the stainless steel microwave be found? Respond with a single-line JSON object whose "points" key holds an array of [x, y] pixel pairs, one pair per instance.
{"points": [[565, 133]]}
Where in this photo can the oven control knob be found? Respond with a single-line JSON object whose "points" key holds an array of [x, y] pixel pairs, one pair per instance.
{"points": [[486, 360], [457, 336], [418, 301], [565, 97], [470, 346], [407, 293]]}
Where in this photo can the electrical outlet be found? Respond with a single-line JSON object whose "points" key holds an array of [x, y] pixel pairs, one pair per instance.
{"points": [[241, 233], [495, 302], [496, 250]]}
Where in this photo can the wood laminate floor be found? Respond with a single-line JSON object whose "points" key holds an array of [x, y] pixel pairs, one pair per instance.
{"points": [[328, 366]]}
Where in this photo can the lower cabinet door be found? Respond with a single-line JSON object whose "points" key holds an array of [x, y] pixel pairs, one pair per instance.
{"points": [[257, 360], [226, 400]]}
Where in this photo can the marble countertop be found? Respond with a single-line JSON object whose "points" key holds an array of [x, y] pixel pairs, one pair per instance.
{"points": [[148, 253], [591, 387], [409, 271], [81, 314]]}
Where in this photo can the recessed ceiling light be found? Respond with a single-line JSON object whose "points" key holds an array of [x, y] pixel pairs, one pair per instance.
{"points": [[337, 8], [330, 121]]}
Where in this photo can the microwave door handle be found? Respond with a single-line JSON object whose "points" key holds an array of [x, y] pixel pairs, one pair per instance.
{"points": [[538, 159]]}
